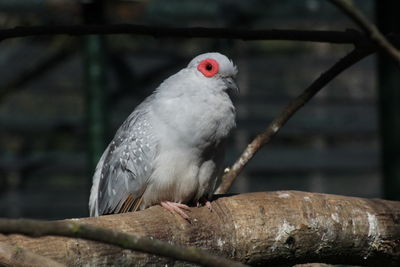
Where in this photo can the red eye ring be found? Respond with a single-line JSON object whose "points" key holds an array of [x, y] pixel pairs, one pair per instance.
{"points": [[208, 67]]}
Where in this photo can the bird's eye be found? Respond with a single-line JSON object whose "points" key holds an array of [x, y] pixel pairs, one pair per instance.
{"points": [[208, 67]]}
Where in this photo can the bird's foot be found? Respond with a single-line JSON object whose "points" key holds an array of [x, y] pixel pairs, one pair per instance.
{"points": [[208, 205], [178, 208], [205, 202]]}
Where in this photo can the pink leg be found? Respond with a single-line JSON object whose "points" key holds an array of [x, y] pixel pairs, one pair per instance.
{"points": [[176, 208]]}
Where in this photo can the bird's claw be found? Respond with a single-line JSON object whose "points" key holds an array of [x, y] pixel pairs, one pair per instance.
{"points": [[208, 205], [178, 208], [205, 202]]}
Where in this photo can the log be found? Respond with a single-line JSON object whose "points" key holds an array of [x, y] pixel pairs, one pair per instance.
{"points": [[266, 228], [18, 257]]}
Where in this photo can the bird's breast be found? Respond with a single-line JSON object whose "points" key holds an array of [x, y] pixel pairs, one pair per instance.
{"points": [[187, 130], [197, 121], [175, 178]]}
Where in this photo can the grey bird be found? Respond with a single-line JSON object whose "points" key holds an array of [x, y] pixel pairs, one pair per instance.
{"points": [[170, 150]]}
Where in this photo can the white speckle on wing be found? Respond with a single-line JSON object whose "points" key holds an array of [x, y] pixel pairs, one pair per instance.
{"points": [[307, 198], [114, 193], [126, 183]]}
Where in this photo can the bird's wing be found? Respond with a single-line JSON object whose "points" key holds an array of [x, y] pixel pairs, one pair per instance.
{"points": [[127, 167]]}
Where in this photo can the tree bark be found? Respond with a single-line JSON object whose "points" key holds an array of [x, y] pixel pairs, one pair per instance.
{"points": [[18, 257], [274, 228]]}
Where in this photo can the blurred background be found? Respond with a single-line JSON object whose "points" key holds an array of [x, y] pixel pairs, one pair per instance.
{"points": [[62, 98]]}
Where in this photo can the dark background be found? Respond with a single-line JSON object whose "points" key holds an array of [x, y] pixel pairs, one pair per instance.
{"points": [[59, 93]]}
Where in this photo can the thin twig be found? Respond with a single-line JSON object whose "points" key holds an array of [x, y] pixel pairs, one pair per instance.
{"points": [[16, 256], [338, 37], [369, 28], [264, 137], [71, 229]]}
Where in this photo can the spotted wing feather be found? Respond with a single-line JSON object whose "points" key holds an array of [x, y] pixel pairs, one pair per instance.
{"points": [[127, 165]]}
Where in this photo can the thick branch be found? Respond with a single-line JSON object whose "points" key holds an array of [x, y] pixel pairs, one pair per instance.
{"points": [[276, 228], [338, 37], [349, 9], [274, 127], [19, 257], [78, 230]]}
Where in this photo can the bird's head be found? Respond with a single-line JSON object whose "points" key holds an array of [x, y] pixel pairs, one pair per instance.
{"points": [[215, 68]]}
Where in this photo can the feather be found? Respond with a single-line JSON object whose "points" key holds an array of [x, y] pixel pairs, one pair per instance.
{"points": [[121, 175]]}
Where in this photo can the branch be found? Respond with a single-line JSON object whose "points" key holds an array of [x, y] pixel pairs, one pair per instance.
{"points": [[78, 230], [338, 37], [274, 127], [350, 10], [275, 228], [16, 256]]}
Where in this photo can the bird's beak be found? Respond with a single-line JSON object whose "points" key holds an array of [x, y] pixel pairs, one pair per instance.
{"points": [[231, 84]]}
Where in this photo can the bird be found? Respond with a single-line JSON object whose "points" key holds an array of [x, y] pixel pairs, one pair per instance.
{"points": [[170, 150]]}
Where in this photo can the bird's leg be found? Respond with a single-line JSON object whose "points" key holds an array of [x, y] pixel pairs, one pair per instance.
{"points": [[176, 208], [205, 202]]}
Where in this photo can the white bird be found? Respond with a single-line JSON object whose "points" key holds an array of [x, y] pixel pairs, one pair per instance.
{"points": [[170, 150]]}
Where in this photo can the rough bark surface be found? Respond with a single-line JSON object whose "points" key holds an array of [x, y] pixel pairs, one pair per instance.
{"points": [[274, 228], [18, 257]]}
